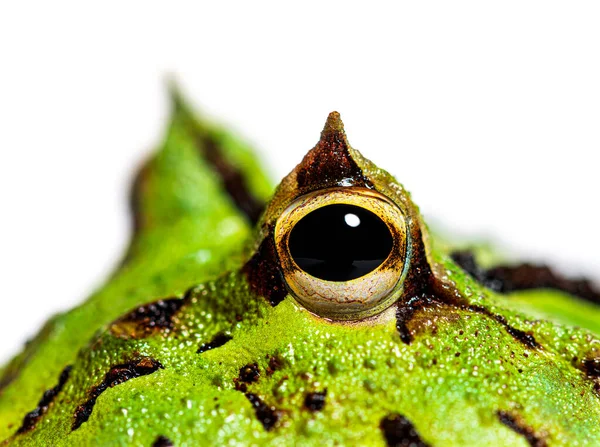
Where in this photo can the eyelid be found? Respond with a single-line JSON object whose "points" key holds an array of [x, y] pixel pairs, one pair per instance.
{"points": [[357, 298]]}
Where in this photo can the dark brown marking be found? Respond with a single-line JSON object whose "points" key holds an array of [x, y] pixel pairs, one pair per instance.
{"points": [[267, 415], [524, 337], [517, 425], [117, 375], [275, 363], [263, 272], [315, 401], [420, 280], [592, 367], [399, 432], [234, 180], [507, 279], [162, 441], [147, 319], [32, 418], [329, 163], [406, 312], [219, 340], [249, 373]]}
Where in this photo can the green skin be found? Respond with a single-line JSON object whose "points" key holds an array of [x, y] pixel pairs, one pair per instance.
{"points": [[459, 370]]}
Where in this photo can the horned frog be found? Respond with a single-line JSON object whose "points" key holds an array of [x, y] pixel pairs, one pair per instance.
{"points": [[326, 314]]}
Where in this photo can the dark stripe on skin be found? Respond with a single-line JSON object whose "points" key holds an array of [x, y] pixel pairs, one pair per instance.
{"points": [[516, 424], [263, 272], [524, 337], [218, 341], [117, 375], [234, 180], [33, 417], [267, 415], [399, 432], [147, 319], [406, 312], [507, 279], [162, 441]]}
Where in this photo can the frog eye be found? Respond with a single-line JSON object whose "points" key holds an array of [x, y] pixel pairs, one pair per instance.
{"points": [[343, 252]]}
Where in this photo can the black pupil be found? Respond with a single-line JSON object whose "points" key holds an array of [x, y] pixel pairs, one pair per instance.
{"points": [[340, 242]]}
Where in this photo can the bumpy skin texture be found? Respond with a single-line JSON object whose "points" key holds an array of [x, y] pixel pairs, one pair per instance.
{"points": [[194, 339]]}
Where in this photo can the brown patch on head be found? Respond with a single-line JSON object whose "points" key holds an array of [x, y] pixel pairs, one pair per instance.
{"points": [[420, 314], [423, 312], [115, 376], [405, 314], [400, 432], [330, 163], [264, 273], [33, 417], [516, 424], [266, 414], [147, 319]]}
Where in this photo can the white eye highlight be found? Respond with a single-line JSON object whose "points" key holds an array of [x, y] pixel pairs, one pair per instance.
{"points": [[352, 220]]}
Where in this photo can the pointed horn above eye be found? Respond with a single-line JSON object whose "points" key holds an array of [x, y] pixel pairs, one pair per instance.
{"points": [[333, 131], [330, 162]]}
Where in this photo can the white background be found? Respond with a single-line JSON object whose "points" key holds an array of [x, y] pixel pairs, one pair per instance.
{"points": [[489, 112]]}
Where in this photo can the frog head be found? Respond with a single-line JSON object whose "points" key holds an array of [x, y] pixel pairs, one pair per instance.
{"points": [[328, 316]]}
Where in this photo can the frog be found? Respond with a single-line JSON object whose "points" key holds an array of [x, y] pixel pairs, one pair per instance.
{"points": [[321, 312]]}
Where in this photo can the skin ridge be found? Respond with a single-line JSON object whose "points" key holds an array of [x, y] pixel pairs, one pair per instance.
{"points": [[513, 278], [147, 318]]}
